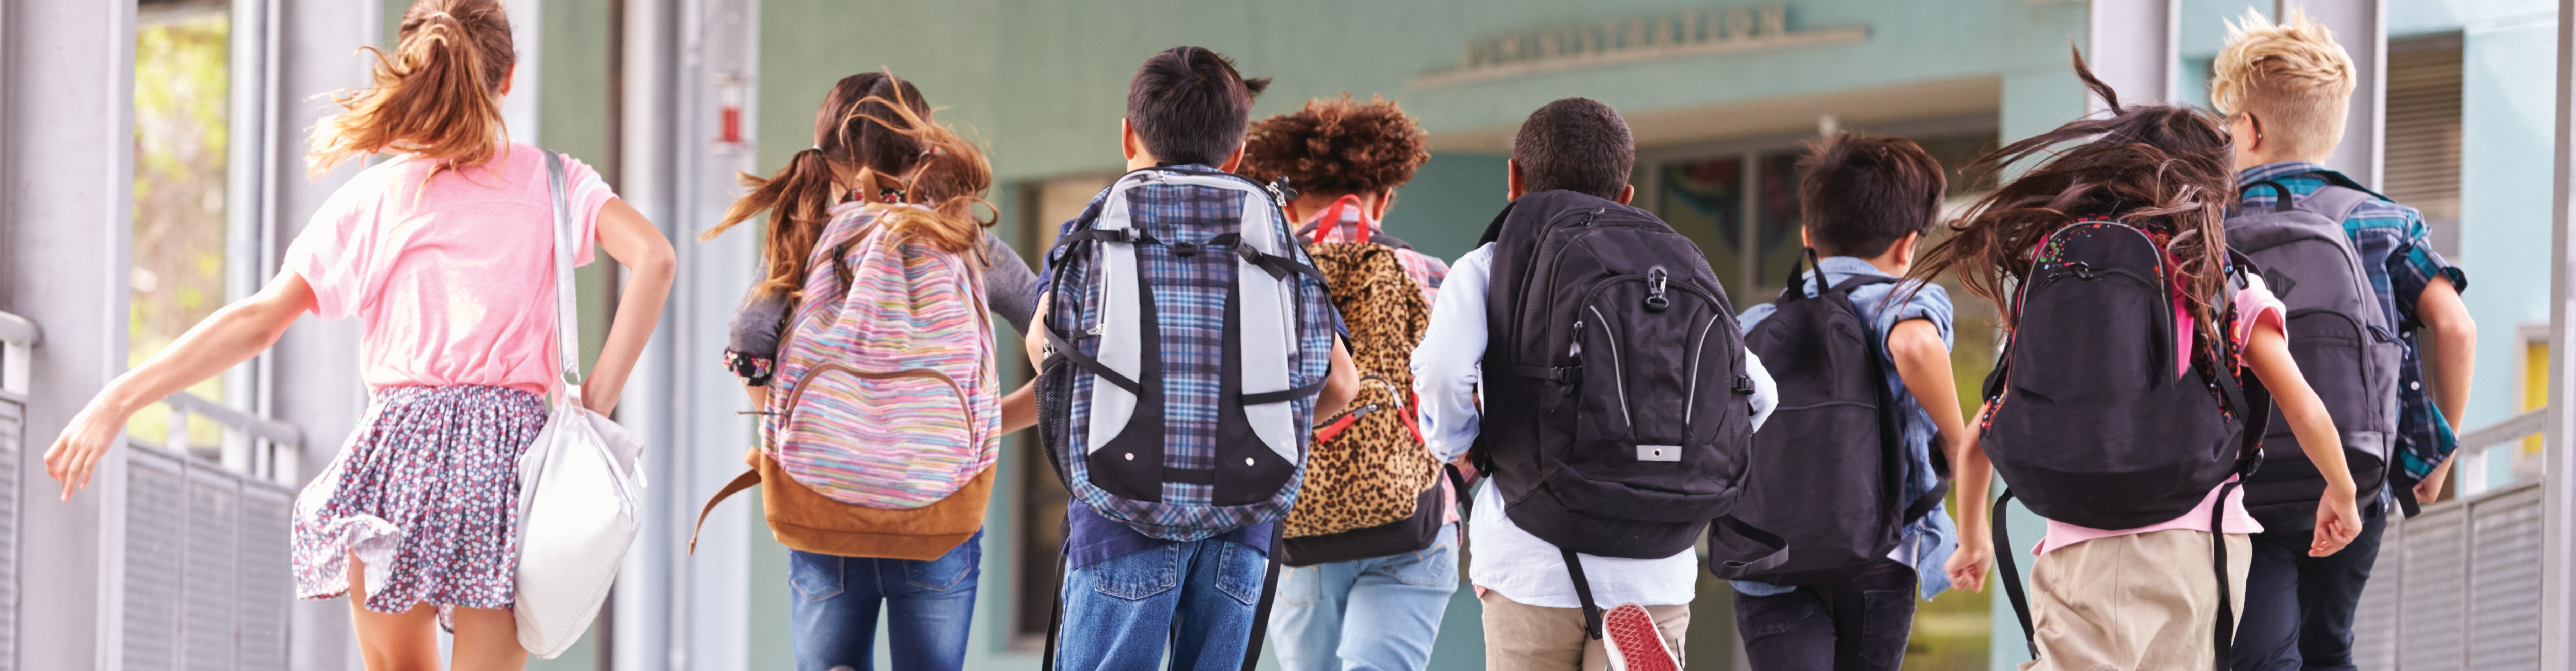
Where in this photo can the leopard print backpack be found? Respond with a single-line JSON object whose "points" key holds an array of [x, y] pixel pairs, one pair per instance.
{"points": [[1369, 466]]}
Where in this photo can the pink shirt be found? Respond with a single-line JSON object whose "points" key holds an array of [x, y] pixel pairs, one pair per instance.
{"points": [[2255, 305], [453, 273]]}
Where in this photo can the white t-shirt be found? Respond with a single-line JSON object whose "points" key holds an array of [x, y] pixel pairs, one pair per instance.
{"points": [[1501, 556]]}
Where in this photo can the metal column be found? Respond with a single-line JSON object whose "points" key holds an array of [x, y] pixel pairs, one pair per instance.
{"points": [[2132, 44], [2361, 26], [687, 62], [2558, 548]]}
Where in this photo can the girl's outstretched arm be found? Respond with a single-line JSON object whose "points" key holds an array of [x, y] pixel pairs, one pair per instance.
{"points": [[2267, 351], [650, 266], [228, 337]]}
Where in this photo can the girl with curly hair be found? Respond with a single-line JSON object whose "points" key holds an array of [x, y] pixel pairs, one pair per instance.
{"points": [[1370, 596]]}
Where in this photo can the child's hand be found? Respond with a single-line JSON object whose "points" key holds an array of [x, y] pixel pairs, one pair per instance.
{"points": [[2338, 521], [1968, 565]]}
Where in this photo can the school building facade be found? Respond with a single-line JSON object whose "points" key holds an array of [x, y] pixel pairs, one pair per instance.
{"points": [[671, 97]]}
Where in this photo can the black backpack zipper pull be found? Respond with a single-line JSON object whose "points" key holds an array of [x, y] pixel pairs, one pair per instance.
{"points": [[1656, 279]]}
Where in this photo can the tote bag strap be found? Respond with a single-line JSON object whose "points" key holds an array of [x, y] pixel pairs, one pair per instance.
{"points": [[567, 314]]}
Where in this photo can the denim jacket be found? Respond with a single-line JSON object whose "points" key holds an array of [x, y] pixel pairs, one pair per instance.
{"points": [[1927, 543]]}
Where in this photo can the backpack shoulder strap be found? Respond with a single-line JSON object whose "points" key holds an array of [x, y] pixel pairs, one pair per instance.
{"points": [[2336, 202]]}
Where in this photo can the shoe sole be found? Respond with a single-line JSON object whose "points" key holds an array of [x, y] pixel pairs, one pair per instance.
{"points": [[1634, 643]]}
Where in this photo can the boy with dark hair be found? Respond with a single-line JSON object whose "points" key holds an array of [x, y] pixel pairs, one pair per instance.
{"points": [[1574, 144], [2285, 87], [1168, 539], [1538, 582], [1867, 202]]}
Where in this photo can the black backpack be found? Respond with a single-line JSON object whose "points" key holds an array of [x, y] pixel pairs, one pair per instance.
{"points": [[2087, 421], [2338, 334], [1617, 419], [1833, 457]]}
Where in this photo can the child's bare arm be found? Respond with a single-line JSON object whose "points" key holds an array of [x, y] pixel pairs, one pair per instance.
{"points": [[1020, 408], [2338, 520], [1340, 385], [1923, 362], [2454, 353]]}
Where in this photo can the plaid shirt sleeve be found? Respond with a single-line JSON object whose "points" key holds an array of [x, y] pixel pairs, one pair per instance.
{"points": [[2414, 263]]}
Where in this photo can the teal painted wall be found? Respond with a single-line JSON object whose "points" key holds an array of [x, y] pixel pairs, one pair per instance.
{"points": [[2508, 116]]}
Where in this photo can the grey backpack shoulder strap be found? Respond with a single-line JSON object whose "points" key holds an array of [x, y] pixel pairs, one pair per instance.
{"points": [[2335, 203]]}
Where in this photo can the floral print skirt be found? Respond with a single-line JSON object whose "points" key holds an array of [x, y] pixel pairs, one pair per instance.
{"points": [[427, 494]]}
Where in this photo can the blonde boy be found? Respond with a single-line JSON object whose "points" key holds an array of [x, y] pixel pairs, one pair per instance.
{"points": [[2286, 88]]}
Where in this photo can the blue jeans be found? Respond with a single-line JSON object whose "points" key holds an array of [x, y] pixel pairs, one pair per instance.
{"points": [[834, 610], [1120, 613], [1381, 613], [2298, 609], [1859, 625]]}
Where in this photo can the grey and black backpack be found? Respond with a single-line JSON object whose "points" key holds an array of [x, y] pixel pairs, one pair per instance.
{"points": [[2341, 338], [1188, 335]]}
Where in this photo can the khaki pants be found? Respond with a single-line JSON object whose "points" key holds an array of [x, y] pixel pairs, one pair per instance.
{"points": [[1522, 637], [2141, 602]]}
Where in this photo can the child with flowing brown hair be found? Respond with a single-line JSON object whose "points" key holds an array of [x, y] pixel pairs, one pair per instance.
{"points": [[2148, 597], [447, 250], [877, 160]]}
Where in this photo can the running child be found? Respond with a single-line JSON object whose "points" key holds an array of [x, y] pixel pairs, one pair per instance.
{"points": [[2132, 388], [447, 252]]}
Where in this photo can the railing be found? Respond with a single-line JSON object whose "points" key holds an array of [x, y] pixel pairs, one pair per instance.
{"points": [[18, 339], [2458, 586], [257, 446], [207, 574], [2494, 440]]}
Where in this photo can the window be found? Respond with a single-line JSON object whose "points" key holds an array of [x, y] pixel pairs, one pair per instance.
{"points": [[1741, 205], [181, 87], [2420, 165]]}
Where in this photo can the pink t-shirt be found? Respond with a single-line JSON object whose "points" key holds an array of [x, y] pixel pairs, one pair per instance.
{"points": [[453, 273], [2254, 305]]}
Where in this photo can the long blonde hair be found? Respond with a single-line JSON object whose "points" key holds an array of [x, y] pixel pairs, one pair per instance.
{"points": [[871, 124], [438, 96]]}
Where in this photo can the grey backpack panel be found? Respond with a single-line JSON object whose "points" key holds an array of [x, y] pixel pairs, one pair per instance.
{"points": [[2342, 341]]}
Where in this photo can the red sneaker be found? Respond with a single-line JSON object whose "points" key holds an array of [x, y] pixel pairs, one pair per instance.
{"points": [[1629, 633]]}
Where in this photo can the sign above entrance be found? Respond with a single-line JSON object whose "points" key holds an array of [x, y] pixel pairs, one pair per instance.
{"points": [[1688, 33]]}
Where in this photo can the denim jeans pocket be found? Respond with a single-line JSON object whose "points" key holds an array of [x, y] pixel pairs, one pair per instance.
{"points": [[1301, 586], [1435, 566], [1239, 570], [949, 570], [816, 577], [1137, 576], [1759, 617]]}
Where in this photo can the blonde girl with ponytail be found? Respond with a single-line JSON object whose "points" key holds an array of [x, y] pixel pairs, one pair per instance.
{"points": [[876, 154], [445, 249]]}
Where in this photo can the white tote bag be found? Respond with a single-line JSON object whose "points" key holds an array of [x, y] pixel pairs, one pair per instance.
{"points": [[578, 485]]}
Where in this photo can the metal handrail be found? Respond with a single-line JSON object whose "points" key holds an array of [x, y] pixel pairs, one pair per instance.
{"points": [[271, 430], [16, 330], [18, 338], [2511, 429]]}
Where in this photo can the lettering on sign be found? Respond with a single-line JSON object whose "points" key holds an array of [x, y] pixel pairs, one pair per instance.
{"points": [[1694, 32]]}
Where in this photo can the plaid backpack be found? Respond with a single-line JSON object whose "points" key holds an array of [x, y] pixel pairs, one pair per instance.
{"points": [[1187, 337], [882, 423]]}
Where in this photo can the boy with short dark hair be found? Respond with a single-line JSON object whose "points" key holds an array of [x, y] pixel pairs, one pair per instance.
{"points": [[1173, 561], [2285, 88], [1535, 612], [1867, 202]]}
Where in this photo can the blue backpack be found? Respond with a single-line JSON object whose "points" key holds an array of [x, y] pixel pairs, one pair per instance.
{"points": [[1188, 334]]}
